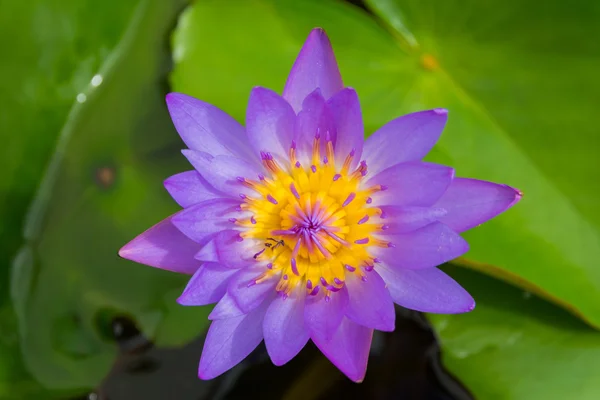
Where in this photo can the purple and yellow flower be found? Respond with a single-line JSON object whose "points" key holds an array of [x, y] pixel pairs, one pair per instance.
{"points": [[299, 229]]}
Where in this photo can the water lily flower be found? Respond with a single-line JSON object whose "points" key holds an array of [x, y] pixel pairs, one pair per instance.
{"points": [[299, 229]]}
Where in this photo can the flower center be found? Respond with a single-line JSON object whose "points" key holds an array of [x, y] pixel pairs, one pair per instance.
{"points": [[312, 224]]}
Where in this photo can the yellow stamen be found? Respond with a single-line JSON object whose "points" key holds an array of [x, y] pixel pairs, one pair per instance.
{"points": [[310, 223]]}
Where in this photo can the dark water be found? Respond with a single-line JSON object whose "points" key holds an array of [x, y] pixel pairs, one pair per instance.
{"points": [[403, 365]]}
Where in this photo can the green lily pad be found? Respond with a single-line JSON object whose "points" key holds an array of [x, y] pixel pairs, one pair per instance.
{"points": [[103, 186], [516, 346], [519, 107]]}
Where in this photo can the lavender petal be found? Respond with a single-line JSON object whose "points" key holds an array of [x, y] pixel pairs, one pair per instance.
{"points": [[470, 202], [269, 122], [229, 341], [207, 285], [204, 127], [426, 290], [345, 108], [202, 221], [404, 139], [163, 246], [324, 317], [370, 303], [426, 247], [412, 184], [283, 327], [189, 188], [348, 349], [315, 67]]}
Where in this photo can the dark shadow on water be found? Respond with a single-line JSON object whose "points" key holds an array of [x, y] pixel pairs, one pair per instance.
{"points": [[403, 365]]}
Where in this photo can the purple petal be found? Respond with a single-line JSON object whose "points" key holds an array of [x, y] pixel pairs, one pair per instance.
{"points": [[269, 122], [348, 349], [426, 290], [201, 221], [370, 303], [345, 108], [406, 219], [226, 249], [314, 118], [225, 308], [199, 159], [322, 318], [163, 246], [471, 202], [247, 294], [315, 67], [412, 184], [283, 328], [189, 188], [223, 172], [207, 286], [229, 341], [427, 247], [204, 127], [208, 252], [407, 138]]}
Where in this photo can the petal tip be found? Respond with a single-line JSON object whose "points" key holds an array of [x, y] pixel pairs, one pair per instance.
{"points": [[130, 251], [357, 376], [182, 300], [318, 33], [518, 195], [174, 99], [205, 375], [471, 306], [440, 111], [125, 251], [168, 183]]}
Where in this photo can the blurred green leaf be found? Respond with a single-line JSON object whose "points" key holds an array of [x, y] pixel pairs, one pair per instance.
{"points": [[516, 346], [519, 104], [51, 50], [101, 189]]}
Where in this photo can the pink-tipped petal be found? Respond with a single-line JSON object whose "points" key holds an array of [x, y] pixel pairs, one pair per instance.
{"points": [[315, 67], [204, 127], [163, 246], [348, 349], [470, 202], [225, 308], [407, 219], [370, 303], [412, 184], [189, 188], [269, 122], [314, 119], [229, 341], [346, 112], [283, 327], [427, 247], [426, 290], [202, 221], [207, 285], [407, 138], [246, 292], [322, 317]]}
